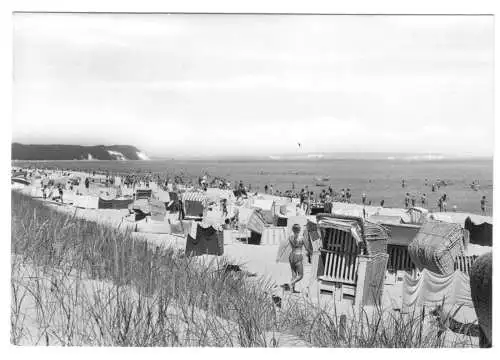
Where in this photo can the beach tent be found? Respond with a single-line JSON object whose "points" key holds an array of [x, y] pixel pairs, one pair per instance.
{"points": [[436, 246], [194, 203], [479, 234], [206, 241]]}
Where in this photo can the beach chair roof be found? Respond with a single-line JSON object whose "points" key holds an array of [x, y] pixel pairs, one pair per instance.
{"points": [[359, 228], [195, 196]]}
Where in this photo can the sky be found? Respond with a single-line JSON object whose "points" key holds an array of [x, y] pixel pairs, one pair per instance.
{"points": [[195, 85]]}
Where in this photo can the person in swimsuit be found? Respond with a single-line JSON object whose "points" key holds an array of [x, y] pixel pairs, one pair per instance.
{"points": [[483, 205], [296, 257]]}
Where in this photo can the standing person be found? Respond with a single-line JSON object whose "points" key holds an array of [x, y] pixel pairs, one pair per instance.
{"points": [[60, 193], [426, 182], [348, 195], [363, 198], [483, 205], [413, 200], [382, 203], [407, 200], [433, 187], [328, 203], [302, 198], [87, 183], [423, 199], [342, 195], [322, 196], [297, 243], [444, 202], [440, 204], [403, 183], [224, 208]]}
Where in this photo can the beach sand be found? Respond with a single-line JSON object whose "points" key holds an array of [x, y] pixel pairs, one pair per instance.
{"points": [[261, 259]]}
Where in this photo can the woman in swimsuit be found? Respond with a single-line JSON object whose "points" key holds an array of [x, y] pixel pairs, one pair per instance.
{"points": [[296, 257]]}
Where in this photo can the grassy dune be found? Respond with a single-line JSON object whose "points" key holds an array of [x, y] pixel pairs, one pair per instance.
{"points": [[76, 282]]}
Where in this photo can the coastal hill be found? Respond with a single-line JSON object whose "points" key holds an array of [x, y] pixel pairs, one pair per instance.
{"points": [[76, 152]]}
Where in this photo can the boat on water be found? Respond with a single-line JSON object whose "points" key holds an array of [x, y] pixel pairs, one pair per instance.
{"points": [[321, 178]]}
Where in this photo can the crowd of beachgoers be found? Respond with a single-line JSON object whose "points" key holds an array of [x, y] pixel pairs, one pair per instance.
{"points": [[307, 195]]}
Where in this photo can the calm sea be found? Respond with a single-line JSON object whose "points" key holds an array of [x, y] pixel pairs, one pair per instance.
{"points": [[379, 179]]}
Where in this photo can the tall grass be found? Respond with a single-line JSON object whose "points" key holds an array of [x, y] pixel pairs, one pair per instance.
{"points": [[76, 282]]}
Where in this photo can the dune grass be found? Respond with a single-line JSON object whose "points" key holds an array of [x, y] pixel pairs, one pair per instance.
{"points": [[77, 282]]}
